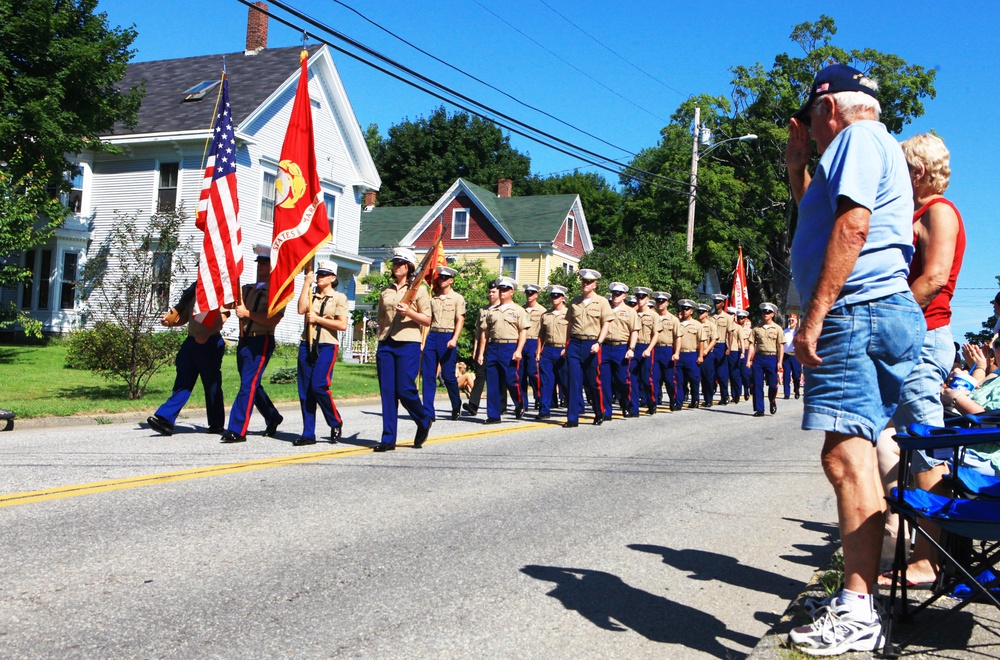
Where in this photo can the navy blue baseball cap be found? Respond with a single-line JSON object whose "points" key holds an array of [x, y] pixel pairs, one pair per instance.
{"points": [[837, 78]]}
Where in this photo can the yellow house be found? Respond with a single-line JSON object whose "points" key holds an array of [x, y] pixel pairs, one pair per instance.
{"points": [[526, 238]]}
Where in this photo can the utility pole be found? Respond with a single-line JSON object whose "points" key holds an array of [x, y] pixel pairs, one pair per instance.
{"points": [[694, 179]]}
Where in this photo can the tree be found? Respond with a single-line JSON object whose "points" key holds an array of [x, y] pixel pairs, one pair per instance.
{"points": [[743, 195], [59, 67], [420, 159], [127, 286], [601, 203]]}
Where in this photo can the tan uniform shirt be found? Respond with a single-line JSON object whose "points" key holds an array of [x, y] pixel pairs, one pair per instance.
{"points": [[403, 328], [692, 332], [193, 327], [535, 314], [649, 322], [766, 339], [327, 307], [255, 300], [726, 324], [586, 318], [712, 330], [625, 322], [670, 328], [735, 334], [505, 322], [745, 333], [445, 310], [553, 328]]}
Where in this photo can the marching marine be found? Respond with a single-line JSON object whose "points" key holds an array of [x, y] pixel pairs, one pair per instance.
{"points": [[711, 336], [668, 345], [552, 351], [447, 321], [643, 389], [588, 319], [617, 351], [725, 324], [690, 355], [529, 368], [506, 328], [764, 358]]}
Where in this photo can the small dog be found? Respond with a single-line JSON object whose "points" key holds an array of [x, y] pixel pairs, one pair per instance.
{"points": [[466, 379]]}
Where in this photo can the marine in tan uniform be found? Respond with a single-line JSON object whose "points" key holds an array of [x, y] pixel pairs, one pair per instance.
{"points": [[326, 314], [642, 368], [479, 352], [530, 378], [506, 328], [589, 317], [253, 353], [734, 348], [725, 324], [766, 352], [691, 353], [447, 320], [398, 354], [746, 336], [708, 364], [617, 352], [551, 353], [668, 346]]}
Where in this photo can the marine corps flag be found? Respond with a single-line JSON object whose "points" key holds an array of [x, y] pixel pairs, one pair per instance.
{"points": [[435, 257], [300, 223], [740, 297]]}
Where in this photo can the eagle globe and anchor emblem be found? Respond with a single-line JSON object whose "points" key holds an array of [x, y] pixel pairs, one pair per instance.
{"points": [[289, 186]]}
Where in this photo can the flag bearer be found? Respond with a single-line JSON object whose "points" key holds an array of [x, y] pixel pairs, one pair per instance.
{"points": [[447, 321]]}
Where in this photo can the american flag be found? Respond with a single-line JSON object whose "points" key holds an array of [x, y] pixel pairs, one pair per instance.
{"points": [[221, 261]]}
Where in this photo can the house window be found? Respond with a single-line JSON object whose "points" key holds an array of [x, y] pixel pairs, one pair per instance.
{"points": [[508, 267], [162, 262], [26, 289], [568, 268], [67, 298], [44, 273], [570, 230], [460, 223], [267, 199], [330, 201], [166, 194], [73, 200]]}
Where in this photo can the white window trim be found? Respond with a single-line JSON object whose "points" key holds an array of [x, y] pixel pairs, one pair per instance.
{"points": [[265, 170], [570, 236], [155, 205], [334, 224], [468, 219], [517, 264]]}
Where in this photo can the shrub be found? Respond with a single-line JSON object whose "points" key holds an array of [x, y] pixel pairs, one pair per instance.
{"points": [[284, 375]]}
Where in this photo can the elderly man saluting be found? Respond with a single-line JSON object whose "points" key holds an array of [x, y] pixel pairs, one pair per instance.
{"points": [[862, 330]]}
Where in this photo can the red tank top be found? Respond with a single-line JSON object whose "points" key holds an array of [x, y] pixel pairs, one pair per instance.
{"points": [[938, 313]]}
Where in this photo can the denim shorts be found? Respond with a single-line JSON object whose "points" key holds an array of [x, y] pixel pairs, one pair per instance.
{"points": [[867, 349], [920, 401]]}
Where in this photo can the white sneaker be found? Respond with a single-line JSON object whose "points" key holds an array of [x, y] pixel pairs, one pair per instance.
{"points": [[814, 606], [836, 631]]}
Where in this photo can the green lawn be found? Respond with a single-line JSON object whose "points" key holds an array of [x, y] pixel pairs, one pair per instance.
{"points": [[35, 383]]}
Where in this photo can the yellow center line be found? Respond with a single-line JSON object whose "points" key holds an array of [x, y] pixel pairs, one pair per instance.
{"points": [[76, 490]]}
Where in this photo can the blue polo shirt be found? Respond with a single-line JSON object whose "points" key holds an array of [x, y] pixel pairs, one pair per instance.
{"points": [[865, 164]]}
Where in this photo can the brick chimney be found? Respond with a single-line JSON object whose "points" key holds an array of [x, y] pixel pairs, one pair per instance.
{"points": [[256, 29], [504, 187], [369, 199]]}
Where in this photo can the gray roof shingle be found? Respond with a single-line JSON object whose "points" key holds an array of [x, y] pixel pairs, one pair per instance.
{"points": [[251, 80]]}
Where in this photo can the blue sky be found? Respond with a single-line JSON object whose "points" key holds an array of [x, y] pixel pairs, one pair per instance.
{"points": [[682, 48]]}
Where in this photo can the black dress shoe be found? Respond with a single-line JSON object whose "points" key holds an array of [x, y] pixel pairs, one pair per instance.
{"points": [[455, 413], [629, 413], [693, 404], [570, 425], [160, 425], [724, 402], [384, 446], [796, 395], [471, 412], [302, 440], [230, 436], [759, 413], [786, 397], [335, 433], [746, 397], [651, 410], [598, 421], [542, 416], [774, 407], [675, 407], [215, 430], [707, 404], [421, 437], [492, 420], [272, 427], [518, 412]]}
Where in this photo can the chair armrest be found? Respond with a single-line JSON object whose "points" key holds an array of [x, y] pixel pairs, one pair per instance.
{"points": [[922, 436]]}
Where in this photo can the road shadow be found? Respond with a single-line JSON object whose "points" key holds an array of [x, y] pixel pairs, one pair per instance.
{"points": [[611, 604], [816, 555], [712, 566]]}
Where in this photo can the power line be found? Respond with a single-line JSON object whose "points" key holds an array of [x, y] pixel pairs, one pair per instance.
{"points": [[609, 49], [568, 63], [480, 80]]}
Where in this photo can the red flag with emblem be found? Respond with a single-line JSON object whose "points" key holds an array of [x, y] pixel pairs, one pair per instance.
{"points": [[436, 257], [740, 296], [301, 226]]}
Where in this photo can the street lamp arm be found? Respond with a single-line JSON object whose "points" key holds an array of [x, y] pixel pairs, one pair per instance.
{"points": [[745, 138]]}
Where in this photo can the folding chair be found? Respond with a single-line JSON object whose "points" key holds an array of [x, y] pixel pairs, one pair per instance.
{"points": [[961, 516]]}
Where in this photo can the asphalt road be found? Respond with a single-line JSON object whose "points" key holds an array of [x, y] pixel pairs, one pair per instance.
{"points": [[679, 535]]}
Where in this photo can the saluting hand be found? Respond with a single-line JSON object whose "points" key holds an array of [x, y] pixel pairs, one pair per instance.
{"points": [[799, 148]]}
